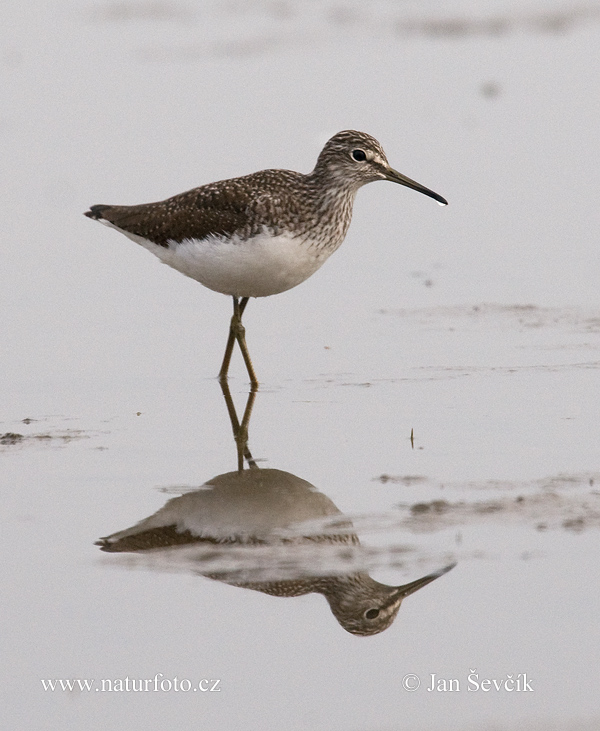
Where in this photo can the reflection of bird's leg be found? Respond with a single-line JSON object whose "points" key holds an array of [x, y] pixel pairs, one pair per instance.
{"points": [[240, 431], [242, 438], [237, 332]]}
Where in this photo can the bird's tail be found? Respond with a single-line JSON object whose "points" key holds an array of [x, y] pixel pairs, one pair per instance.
{"points": [[95, 212]]}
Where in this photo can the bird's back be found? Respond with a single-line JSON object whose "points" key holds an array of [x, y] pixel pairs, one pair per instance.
{"points": [[270, 199]]}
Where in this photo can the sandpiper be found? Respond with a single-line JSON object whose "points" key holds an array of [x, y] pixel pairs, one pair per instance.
{"points": [[260, 234]]}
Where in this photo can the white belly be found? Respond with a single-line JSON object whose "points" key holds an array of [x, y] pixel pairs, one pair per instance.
{"points": [[256, 267]]}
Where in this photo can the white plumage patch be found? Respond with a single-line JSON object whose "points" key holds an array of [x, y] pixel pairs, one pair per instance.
{"points": [[255, 267]]}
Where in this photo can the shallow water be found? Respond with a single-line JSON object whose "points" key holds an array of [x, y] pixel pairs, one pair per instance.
{"points": [[430, 397]]}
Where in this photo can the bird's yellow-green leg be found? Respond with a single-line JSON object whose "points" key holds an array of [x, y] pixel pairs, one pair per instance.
{"points": [[238, 332]]}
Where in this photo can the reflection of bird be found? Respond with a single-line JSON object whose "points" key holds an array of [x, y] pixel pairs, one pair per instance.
{"points": [[267, 507], [260, 234]]}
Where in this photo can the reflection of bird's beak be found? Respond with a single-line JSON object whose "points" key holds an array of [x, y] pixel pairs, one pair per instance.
{"points": [[396, 177], [403, 591]]}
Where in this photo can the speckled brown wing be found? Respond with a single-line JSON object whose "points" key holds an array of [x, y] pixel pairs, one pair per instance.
{"points": [[219, 209]]}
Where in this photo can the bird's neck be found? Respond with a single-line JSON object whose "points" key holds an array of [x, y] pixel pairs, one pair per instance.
{"points": [[332, 200]]}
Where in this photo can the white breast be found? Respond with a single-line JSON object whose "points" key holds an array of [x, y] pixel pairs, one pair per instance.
{"points": [[256, 267]]}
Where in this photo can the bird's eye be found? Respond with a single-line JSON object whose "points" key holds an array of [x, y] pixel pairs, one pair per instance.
{"points": [[372, 613], [359, 155]]}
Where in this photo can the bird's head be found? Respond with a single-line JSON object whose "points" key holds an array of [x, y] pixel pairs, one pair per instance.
{"points": [[355, 158]]}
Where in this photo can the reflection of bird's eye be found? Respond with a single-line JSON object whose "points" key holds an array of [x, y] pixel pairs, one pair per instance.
{"points": [[359, 155], [372, 613]]}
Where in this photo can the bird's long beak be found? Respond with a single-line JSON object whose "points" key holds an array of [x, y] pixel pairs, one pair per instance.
{"points": [[396, 177], [403, 591]]}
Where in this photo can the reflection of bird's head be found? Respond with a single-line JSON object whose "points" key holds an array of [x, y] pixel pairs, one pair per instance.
{"points": [[365, 607]]}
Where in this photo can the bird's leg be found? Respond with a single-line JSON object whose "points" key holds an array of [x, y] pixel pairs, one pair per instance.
{"points": [[238, 332], [240, 335], [230, 342]]}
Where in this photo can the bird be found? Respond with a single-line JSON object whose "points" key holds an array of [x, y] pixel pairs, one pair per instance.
{"points": [[259, 234]]}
